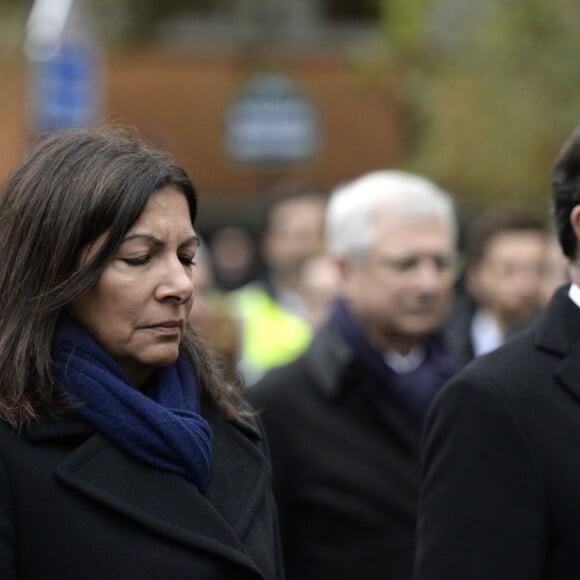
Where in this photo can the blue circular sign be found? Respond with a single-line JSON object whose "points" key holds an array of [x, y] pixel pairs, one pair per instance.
{"points": [[271, 121]]}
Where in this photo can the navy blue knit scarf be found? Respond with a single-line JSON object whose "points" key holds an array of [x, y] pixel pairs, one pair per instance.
{"points": [[160, 425], [412, 392]]}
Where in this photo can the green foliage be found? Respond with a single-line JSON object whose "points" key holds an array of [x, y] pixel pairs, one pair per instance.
{"points": [[492, 91]]}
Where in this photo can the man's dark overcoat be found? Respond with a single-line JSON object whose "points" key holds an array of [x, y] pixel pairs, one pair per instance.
{"points": [[501, 461], [346, 467]]}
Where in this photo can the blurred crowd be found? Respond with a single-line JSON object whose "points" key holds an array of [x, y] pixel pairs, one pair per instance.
{"points": [[344, 318], [261, 297]]}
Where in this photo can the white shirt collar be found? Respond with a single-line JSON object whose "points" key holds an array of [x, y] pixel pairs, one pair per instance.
{"points": [[574, 293], [403, 364], [486, 335]]}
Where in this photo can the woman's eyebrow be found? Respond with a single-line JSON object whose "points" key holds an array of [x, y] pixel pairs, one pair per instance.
{"points": [[191, 241], [154, 241], [148, 237]]}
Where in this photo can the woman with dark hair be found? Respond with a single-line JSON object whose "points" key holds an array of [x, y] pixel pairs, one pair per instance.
{"points": [[124, 453]]}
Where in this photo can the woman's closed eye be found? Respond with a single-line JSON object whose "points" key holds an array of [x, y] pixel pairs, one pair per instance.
{"points": [[137, 261], [185, 259]]}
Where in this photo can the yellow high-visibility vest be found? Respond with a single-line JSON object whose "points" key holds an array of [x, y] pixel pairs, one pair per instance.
{"points": [[271, 335]]}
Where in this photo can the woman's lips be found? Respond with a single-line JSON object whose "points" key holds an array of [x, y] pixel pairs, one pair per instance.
{"points": [[168, 328]]}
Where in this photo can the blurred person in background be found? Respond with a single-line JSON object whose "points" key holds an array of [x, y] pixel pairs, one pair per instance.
{"points": [[233, 257], [124, 451], [500, 470], [319, 281], [212, 313], [271, 311], [505, 253], [344, 419]]}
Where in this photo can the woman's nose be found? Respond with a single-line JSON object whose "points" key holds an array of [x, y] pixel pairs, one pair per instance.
{"points": [[177, 283]]}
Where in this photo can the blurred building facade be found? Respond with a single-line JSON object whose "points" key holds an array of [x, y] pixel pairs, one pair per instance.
{"points": [[190, 69]]}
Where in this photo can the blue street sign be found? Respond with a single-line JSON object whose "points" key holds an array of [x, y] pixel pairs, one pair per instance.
{"points": [[64, 66], [65, 94]]}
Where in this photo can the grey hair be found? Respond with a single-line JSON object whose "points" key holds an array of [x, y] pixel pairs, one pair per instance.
{"points": [[353, 207]]}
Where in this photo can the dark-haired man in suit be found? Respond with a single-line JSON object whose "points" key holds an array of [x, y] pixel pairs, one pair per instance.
{"points": [[500, 469]]}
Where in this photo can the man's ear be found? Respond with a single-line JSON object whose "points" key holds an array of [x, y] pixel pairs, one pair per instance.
{"points": [[575, 220], [344, 267]]}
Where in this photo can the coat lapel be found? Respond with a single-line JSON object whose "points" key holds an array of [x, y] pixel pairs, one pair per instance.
{"points": [[568, 372], [558, 332], [332, 364], [165, 502], [240, 475]]}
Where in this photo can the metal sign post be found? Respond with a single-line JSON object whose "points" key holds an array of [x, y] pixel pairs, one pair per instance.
{"points": [[65, 79]]}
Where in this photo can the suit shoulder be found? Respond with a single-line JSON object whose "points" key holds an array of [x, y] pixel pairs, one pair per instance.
{"points": [[278, 383], [517, 373], [517, 358]]}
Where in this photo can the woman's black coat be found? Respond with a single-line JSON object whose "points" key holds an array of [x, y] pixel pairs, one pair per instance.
{"points": [[73, 505]]}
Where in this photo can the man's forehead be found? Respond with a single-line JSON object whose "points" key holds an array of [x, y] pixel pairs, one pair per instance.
{"points": [[385, 221]]}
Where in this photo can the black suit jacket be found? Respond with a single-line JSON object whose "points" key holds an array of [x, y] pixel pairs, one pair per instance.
{"points": [[457, 328], [501, 461], [346, 467], [73, 505]]}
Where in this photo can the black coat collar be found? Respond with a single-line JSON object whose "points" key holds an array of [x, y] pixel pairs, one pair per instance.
{"points": [[328, 359], [558, 327], [163, 501], [558, 332], [332, 365]]}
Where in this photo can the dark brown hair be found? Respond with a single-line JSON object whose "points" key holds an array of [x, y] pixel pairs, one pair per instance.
{"points": [[566, 192], [490, 224], [73, 187], [288, 191]]}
